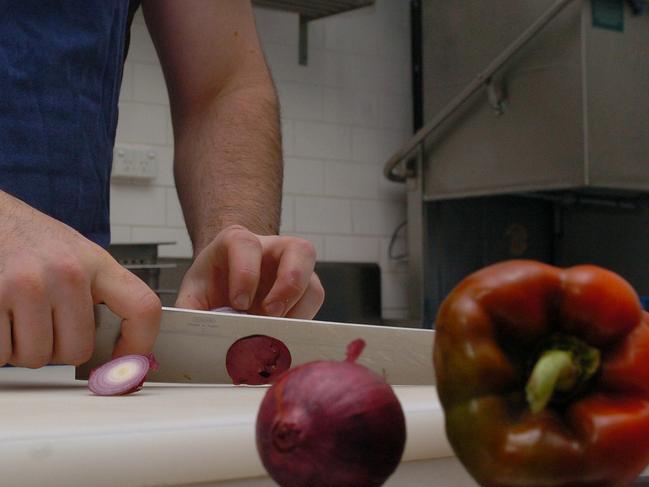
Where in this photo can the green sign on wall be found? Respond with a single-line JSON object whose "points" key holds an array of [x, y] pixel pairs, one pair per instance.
{"points": [[608, 14]]}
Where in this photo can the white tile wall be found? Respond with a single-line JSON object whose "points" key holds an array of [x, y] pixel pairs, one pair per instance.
{"points": [[322, 140], [128, 80], [283, 61], [141, 49], [287, 137], [304, 176], [355, 32], [174, 212], [351, 249], [274, 26], [351, 180], [351, 107], [149, 85], [394, 111], [323, 215], [120, 233], [300, 101], [134, 204], [143, 123], [376, 217], [371, 145], [337, 67], [343, 114], [288, 215], [165, 161]]}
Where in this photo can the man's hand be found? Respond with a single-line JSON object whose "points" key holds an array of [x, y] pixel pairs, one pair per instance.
{"points": [[270, 275], [50, 277]]}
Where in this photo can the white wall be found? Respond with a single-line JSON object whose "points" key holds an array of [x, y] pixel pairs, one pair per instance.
{"points": [[343, 115]]}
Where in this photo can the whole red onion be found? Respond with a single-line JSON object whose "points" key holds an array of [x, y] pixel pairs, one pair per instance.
{"points": [[256, 360], [328, 423]]}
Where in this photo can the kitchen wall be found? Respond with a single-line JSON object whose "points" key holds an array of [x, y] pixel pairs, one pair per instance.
{"points": [[343, 114]]}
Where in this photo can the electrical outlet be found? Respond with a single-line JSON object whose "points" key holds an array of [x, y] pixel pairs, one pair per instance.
{"points": [[146, 164], [134, 164]]}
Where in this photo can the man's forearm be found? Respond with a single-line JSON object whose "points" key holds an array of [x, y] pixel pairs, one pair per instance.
{"points": [[228, 163]]}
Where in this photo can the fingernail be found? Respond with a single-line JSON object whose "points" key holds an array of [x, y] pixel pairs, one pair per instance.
{"points": [[276, 308], [241, 301]]}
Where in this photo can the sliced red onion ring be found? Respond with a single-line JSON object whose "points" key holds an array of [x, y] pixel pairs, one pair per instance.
{"points": [[122, 375]]}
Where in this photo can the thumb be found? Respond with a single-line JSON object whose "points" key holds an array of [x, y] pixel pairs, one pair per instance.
{"points": [[132, 300]]}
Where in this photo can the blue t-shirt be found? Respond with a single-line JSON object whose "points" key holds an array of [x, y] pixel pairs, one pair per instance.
{"points": [[60, 73]]}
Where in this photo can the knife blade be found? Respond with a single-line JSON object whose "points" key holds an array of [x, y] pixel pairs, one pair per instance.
{"points": [[192, 345]]}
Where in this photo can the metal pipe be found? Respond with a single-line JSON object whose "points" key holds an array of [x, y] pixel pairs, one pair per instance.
{"points": [[478, 82]]}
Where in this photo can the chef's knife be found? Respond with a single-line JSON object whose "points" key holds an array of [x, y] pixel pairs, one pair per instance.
{"points": [[192, 345]]}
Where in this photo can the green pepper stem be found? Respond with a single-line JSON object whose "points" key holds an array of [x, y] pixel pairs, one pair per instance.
{"points": [[565, 367], [555, 369]]}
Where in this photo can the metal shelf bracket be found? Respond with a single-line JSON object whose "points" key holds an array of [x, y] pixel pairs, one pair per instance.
{"points": [[309, 10]]}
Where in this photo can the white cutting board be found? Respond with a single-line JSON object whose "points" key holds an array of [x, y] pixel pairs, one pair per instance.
{"points": [[54, 432]]}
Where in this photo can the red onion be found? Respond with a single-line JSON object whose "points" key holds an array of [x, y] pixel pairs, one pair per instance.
{"points": [[122, 375], [330, 423], [256, 360]]}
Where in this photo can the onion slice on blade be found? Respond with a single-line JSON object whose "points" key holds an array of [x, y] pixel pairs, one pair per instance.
{"points": [[122, 375], [257, 360]]}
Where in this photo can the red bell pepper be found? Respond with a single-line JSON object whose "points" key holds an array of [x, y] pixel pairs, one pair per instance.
{"points": [[543, 374]]}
